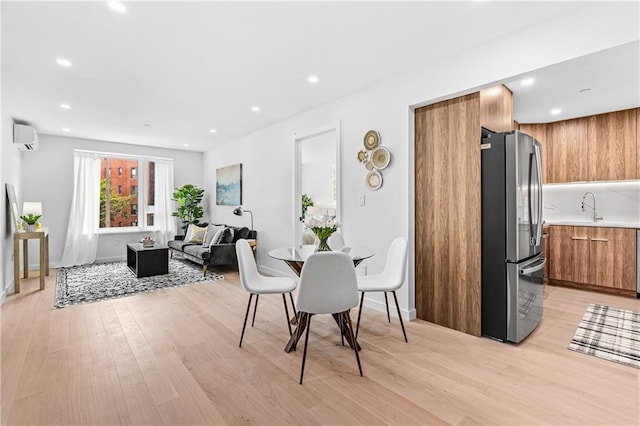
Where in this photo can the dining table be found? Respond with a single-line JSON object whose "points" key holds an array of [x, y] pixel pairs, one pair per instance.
{"points": [[295, 257]]}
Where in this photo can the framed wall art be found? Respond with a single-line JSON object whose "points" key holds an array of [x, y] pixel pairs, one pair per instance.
{"points": [[229, 185]]}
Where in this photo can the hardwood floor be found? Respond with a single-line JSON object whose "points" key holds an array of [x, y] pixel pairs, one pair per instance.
{"points": [[172, 357]]}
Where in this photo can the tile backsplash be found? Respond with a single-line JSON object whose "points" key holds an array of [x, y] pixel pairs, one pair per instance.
{"points": [[615, 201]]}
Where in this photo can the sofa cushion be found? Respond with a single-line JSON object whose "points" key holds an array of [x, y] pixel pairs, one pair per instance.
{"points": [[211, 233], [195, 234], [178, 244], [198, 251], [241, 234]]}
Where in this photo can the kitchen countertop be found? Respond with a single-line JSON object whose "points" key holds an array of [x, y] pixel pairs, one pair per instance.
{"points": [[601, 223]]}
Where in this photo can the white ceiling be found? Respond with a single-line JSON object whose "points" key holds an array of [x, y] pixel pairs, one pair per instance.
{"points": [[183, 68]]}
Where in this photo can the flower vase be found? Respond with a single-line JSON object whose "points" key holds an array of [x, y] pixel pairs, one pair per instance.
{"points": [[323, 245]]}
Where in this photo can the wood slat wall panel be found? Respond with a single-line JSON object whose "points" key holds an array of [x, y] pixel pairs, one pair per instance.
{"points": [[612, 145], [638, 144], [496, 109], [447, 198]]}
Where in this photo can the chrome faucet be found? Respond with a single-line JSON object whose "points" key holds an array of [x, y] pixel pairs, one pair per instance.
{"points": [[592, 207]]}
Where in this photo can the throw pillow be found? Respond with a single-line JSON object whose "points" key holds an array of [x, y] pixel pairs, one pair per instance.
{"points": [[195, 234], [211, 232], [217, 237], [227, 238], [242, 233]]}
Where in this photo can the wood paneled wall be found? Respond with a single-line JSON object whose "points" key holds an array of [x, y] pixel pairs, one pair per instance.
{"points": [[448, 213], [496, 109]]}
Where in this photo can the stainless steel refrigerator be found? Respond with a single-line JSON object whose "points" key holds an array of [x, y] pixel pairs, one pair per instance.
{"points": [[512, 262]]}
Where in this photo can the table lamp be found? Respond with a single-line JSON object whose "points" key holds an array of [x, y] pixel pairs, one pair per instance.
{"points": [[238, 211]]}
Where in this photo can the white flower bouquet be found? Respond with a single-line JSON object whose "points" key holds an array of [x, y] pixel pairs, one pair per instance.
{"points": [[322, 228]]}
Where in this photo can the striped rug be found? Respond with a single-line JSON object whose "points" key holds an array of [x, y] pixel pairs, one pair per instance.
{"points": [[609, 333]]}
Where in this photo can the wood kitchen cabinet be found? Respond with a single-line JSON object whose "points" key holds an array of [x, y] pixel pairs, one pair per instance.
{"points": [[569, 253], [496, 109], [567, 157], [612, 145], [596, 256]]}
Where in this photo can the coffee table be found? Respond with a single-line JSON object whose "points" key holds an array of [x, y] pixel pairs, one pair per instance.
{"points": [[147, 261]]}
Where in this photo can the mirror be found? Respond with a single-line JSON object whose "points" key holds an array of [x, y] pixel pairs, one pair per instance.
{"points": [[317, 179], [14, 210]]}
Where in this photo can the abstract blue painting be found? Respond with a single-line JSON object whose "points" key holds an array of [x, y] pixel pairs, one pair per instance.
{"points": [[229, 185]]}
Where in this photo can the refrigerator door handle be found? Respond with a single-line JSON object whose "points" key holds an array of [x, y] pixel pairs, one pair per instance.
{"points": [[533, 237], [539, 167], [536, 268]]}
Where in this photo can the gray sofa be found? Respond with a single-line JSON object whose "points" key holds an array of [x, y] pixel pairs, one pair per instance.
{"points": [[215, 255]]}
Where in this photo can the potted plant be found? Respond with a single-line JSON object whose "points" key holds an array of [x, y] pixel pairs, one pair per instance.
{"points": [[306, 203], [188, 199], [31, 220]]}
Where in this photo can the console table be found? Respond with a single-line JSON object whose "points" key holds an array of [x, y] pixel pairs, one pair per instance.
{"points": [[43, 236]]}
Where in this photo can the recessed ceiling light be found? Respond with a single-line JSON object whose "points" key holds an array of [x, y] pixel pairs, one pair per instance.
{"points": [[186, 144], [65, 106], [63, 62], [66, 130], [527, 82], [117, 6], [555, 111], [213, 131], [255, 108], [313, 79]]}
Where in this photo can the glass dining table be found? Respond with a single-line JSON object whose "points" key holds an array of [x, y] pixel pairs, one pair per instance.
{"points": [[295, 257]]}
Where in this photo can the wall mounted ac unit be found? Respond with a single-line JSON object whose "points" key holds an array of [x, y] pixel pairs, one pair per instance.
{"points": [[25, 137]]}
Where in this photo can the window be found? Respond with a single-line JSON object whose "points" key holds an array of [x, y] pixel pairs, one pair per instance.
{"points": [[134, 172], [134, 189], [134, 209], [115, 209]]}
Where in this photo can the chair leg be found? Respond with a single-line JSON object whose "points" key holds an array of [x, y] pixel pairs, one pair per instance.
{"points": [[300, 317], [355, 346], [255, 308], [286, 313], [246, 315], [306, 342], [400, 316], [295, 314], [359, 314], [204, 269], [386, 302]]}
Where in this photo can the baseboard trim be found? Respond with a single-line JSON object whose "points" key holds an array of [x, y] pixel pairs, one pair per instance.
{"points": [[380, 307]]}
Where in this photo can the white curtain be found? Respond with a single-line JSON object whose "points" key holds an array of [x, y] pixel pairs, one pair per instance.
{"points": [[163, 222], [81, 245]]}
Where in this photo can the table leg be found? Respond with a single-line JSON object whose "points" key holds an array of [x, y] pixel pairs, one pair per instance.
{"points": [[344, 329], [16, 264], [42, 261], [25, 258], [298, 332], [46, 254]]}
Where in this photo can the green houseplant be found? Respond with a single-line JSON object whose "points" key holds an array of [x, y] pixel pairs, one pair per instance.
{"points": [[31, 220], [306, 203], [188, 199]]}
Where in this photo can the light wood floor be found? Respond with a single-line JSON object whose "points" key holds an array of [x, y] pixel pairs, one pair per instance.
{"points": [[172, 357]]}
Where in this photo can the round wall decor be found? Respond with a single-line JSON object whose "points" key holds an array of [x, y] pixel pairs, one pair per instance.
{"points": [[363, 156], [374, 179], [371, 139], [380, 157]]}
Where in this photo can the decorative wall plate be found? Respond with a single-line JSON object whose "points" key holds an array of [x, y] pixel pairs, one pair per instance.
{"points": [[363, 156], [371, 139], [374, 180], [368, 165], [380, 157]]}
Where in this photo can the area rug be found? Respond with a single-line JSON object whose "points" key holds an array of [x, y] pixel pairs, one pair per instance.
{"points": [[609, 333], [101, 281]]}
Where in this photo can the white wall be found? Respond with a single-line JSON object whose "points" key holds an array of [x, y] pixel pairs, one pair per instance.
{"points": [[267, 155], [10, 169], [616, 202], [47, 176]]}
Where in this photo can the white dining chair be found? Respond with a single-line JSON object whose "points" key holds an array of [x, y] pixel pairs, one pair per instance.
{"points": [[336, 241], [256, 284], [389, 280], [328, 285]]}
